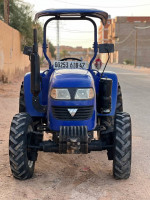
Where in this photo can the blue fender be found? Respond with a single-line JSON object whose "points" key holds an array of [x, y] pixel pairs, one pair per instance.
{"points": [[45, 76]]}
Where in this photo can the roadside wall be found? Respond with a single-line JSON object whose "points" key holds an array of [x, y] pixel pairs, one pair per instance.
{"points": [[133, 43], [131, 37], [12, 60]]}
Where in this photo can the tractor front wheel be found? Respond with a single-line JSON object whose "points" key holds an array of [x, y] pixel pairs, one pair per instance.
{"points": [[122, 146], [119, 106], [22, 107], [22, 166]]}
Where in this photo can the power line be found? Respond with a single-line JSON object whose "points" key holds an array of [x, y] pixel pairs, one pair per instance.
{"points": [[125, 38], [66, 39], [126, 6], [77, 31], [73, 31], [142, 27]]}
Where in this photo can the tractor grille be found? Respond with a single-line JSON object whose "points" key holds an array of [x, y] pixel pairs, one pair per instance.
{"points": [[82, 113]]}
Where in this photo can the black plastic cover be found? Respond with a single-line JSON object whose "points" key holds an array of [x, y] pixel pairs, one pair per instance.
{"points": [[104, 97], [106, 48], [27, 50]]}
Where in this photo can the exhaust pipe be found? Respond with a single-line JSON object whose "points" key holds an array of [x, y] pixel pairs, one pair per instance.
{"points": [[35, 67], [35, 76]]}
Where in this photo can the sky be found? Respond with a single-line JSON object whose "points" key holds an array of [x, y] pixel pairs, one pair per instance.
{"points": [[73, 33]]}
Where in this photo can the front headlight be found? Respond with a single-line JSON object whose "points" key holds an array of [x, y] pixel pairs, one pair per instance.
{"points": [[85, 93], [60, 93]]}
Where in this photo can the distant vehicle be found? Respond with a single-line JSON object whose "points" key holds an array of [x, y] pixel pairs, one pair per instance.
{"points": [[70, 100]]}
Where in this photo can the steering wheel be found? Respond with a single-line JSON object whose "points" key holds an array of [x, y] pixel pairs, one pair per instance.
{"points": [[70, 59]]}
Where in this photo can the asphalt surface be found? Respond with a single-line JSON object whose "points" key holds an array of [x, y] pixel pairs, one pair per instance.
{"points": [[136, 99]]}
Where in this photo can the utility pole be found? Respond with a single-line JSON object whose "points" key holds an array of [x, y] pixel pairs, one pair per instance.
{"points": [[6, 11], [102, 34], [58, 53], [135, 55]]}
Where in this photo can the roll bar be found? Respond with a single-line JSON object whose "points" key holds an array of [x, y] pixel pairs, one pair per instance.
{"points": [[74, 12], [70, 18]]}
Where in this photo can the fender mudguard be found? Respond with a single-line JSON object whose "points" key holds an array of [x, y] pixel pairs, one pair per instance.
{"points": [[45, 76]]}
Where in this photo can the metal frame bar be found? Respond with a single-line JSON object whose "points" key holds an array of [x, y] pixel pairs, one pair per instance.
{"points": [[70, 18]]}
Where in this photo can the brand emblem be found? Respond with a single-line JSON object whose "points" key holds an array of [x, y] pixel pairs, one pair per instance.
{"points": [[72, 111]]}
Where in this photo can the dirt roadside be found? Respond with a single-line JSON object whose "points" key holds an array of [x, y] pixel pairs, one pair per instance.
{"points": [[65, 177]]}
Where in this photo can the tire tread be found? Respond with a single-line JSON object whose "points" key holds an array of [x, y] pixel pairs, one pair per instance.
{"points": [[122, 146], [22, 107], [18, 147]]}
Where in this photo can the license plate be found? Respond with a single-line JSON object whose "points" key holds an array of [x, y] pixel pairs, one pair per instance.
{"points": [[70, 65]]}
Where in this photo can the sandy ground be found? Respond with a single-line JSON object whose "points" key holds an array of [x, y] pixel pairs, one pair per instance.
{"points": [[69, 177]]}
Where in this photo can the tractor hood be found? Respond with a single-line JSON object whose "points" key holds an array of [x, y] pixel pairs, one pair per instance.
{"points": [[67, 78]]}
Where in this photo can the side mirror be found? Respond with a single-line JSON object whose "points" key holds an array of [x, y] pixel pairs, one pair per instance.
{"points": [[106, 48], [27, 50]]}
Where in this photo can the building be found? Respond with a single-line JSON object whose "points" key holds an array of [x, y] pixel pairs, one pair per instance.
{"points": [[103, 32], [77, 52], [131, 37]]}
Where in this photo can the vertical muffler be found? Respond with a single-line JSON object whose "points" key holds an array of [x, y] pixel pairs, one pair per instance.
{"points": [[35, 67], [104, 98]]}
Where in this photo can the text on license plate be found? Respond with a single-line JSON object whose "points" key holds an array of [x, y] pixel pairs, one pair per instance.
{"points": [[70, 65]]}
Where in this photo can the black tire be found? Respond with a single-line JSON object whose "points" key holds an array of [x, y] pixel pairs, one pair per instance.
{"points": [[122, 146], [21, 166], [119, 106], [22, 107], [108, 121]]}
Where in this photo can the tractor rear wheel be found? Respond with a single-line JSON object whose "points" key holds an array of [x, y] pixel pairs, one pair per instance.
{"points": [[122, 146], [22, 166], [22, 107], [108, 121], [119, 106]]}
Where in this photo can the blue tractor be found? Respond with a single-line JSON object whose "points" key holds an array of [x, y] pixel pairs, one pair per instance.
{"points": [[71, 102]]}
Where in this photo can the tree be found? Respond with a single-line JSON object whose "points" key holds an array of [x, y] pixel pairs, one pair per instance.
{"points": [[21, 19], [64, 53], [52, 50]]}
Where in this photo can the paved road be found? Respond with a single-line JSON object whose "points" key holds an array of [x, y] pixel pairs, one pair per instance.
{"points": [[136, 99]]}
